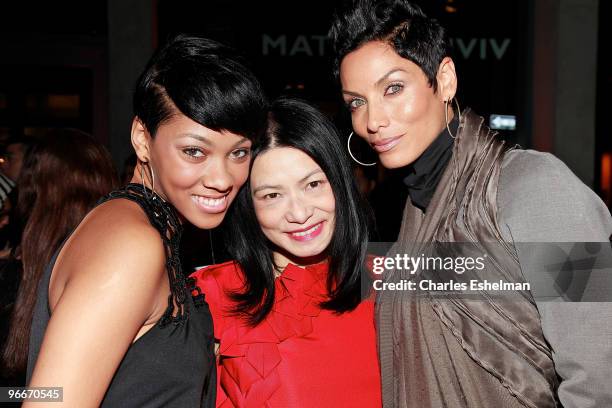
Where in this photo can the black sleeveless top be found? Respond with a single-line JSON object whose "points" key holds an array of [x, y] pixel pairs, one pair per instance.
{"points": [[173, 363]]}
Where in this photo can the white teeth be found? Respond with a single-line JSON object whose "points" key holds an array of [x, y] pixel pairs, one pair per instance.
{"points": [[211, 202], [307, 232]]}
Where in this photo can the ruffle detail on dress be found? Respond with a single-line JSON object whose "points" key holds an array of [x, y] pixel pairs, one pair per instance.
{"points": [[249, 356]]}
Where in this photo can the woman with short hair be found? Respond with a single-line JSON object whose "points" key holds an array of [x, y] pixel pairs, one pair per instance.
{"points": [[465, 186], [116, 322]]}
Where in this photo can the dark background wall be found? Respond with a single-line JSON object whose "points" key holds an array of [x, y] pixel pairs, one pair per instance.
{"points": [[544, 61]]}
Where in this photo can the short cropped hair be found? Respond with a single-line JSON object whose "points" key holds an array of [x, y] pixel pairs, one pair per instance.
{"points": [[204, 80], [401, 24]]}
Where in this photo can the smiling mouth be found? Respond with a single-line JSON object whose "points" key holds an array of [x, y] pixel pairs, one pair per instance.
{"points": [[384, 145], [210, 205], [308, 234]]}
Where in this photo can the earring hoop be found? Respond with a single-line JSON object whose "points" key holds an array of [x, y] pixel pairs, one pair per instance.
{"points": [[151, 177], [446, 102], [348, 147]]}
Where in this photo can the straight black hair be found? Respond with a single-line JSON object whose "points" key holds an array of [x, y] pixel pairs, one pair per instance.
{"points": [[399, 23], [204, 80], [294, 123]]}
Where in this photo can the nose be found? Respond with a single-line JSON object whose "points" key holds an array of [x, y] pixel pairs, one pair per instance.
{"points": [[217, 177], [299, 211], [377, 117]]}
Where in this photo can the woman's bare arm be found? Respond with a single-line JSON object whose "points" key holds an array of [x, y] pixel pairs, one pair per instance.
{"points": [[112, 274]]}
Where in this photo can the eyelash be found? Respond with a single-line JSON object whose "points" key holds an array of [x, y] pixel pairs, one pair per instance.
{"points": [[246, 152], [269, 196], [317, 183], [189, 150], [398, 85], [197, 153], [351, 103]]}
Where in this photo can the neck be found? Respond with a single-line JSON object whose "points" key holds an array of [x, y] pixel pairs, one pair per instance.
{"points": [[283, 258], [143, 177], [425, 172]]}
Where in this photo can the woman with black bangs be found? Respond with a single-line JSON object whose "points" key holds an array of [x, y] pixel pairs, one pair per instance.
{"points": [[117, 323], [292, 327], [465, 186]]}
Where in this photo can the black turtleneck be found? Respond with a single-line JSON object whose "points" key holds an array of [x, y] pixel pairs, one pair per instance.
{"points": [[426, 171]]}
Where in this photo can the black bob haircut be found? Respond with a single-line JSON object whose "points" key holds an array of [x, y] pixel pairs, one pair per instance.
{"points": [[204, 80], [296, 124], [399, 23]]}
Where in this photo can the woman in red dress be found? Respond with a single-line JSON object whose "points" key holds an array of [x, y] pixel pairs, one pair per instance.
{"points": [[294, 328]]}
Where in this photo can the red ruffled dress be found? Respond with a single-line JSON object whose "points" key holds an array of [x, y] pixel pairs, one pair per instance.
{"points": [[300, 355]]}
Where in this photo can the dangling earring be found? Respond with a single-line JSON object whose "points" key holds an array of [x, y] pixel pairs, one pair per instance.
{"points": [[348, 146], [152, 178], [446, 102]]}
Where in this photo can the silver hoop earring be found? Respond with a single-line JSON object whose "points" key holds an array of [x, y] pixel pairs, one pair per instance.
{"points": [[151, 177], [348, 147], [446, 102]]}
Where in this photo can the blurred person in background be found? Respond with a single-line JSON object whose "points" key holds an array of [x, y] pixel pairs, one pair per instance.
{"points": [[10, 268], [6, 187], [61, 180], [11, 227], [16, 148], [116, 322], [11, 161]]}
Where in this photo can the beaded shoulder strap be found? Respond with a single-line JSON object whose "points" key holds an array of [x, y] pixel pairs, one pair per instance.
{"points": [[164, 218]]}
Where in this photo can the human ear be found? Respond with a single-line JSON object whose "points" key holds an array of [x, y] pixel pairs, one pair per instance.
{"points": [[140, 140], [447, 79]]}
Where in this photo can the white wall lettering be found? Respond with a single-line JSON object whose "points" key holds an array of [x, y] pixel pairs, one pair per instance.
{"points": [[268, 42], [316, 46]]}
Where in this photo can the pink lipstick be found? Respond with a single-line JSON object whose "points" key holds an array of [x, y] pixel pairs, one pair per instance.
{"points": [[306, 234], [384, 145]]}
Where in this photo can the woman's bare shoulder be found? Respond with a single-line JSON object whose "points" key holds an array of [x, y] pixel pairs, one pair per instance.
{"points": [[111, 282], [117, 234]]}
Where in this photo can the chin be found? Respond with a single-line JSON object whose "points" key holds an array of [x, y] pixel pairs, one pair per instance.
{"points": [[395, 161], [306, 254], [312, 252], [207, 223], [308, 258], [402, 155]]}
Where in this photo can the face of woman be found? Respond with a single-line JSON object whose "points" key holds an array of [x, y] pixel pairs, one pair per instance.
{"points": [[294, 204], [198, 170], [392, 105]]}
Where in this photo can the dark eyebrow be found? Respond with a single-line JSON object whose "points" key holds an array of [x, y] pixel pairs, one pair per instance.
{"points": [[206, 141], [241, 141], [393, 71], [265, 186], [310, 175], [378, 82], [197, 137], [350, 93]]}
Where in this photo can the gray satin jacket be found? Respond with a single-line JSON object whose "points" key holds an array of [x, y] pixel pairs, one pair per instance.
{"points": [[538, 200]]}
